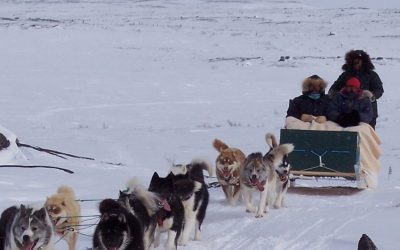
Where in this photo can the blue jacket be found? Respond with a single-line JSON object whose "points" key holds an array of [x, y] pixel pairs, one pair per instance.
{"points": [[369, 81], [343, 104]]}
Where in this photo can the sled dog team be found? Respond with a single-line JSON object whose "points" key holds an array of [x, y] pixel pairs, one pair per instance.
{"points": [[174, 204]]}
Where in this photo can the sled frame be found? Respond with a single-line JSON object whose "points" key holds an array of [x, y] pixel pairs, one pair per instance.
{"points": [[323, 153]]}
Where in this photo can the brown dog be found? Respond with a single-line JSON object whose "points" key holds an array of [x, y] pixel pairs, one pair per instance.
{"points": [[64, 211], [228, 164]]}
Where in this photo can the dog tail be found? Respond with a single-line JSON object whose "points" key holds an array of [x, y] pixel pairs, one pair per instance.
{"points": [[149, 199], [66, 190], [178, 169], [271, 140], [276, 155], [201, 164], [219, 145]]}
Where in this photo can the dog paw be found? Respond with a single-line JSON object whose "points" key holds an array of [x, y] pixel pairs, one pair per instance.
{"points": [[250, 210], [259, 215]]}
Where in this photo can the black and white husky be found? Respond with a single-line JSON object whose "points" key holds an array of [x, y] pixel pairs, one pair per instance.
{"points": [[171, 215], [144, 205], [282, 172], [26, 228], [118, 228], [190, 187]]}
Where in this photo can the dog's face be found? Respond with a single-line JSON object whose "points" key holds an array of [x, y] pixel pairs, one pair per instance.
{"points": [[31, 229], [184, 187], [255, 171], [57, 208], [161, 186], [228, 162], [113, 231], [283, 170]]}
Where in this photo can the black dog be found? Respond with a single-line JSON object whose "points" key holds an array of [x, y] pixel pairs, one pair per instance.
{"points": [[6, 219], [170, 216], [190, 187], [143, 204], [118, 228]]}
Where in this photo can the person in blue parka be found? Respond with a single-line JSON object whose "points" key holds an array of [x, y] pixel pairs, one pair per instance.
{"points": [[351, 105]]}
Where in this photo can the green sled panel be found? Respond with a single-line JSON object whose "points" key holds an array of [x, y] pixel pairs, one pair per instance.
{"points": [[338, 150]]}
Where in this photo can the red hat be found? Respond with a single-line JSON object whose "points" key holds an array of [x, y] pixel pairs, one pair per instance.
{"points": [[353, 82]]}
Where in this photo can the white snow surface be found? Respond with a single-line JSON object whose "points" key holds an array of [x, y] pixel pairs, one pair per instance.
{"points": [[144, 82]]}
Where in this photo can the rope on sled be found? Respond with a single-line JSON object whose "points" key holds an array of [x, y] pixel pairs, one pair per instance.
{"points": [[36, 166], [62, 154]]}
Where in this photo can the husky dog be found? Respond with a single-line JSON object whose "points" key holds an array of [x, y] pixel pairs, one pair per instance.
{"points": [[170, 216], [144, 205], [118, 228], [190, 187], [228, 164], [258, 173], [26, 228], [282, 172], [65, 213]]}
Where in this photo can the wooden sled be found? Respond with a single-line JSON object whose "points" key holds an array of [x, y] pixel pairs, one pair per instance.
{"points": [[324, 154]]}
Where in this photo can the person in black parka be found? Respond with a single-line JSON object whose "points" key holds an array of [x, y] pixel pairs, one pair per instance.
{"points": [[358, 64], [312, 104], [351, 105]]}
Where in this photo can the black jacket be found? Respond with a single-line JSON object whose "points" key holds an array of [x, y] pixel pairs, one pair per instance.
{"points": [[305, 105], [369, 81]]}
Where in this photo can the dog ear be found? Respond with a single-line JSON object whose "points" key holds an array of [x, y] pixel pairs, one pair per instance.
{"points": [[22, 209], [219, 145], [41, 213], [154, 177]]}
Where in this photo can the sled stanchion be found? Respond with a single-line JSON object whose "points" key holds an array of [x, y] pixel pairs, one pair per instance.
{"points": [[36, 166]]}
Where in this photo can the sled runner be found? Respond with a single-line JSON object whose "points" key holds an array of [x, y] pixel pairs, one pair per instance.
{"points": [[323, 153]]}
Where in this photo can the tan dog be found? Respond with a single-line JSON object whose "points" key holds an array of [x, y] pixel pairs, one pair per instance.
{"points": [[65, 213], [228, 164]]}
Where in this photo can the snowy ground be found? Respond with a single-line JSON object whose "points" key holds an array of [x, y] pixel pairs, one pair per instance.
{"points": [[140, 82]]}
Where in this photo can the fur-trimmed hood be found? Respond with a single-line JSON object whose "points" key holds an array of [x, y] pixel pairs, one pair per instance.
{"points": [[312, 81], [350, 56]]}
